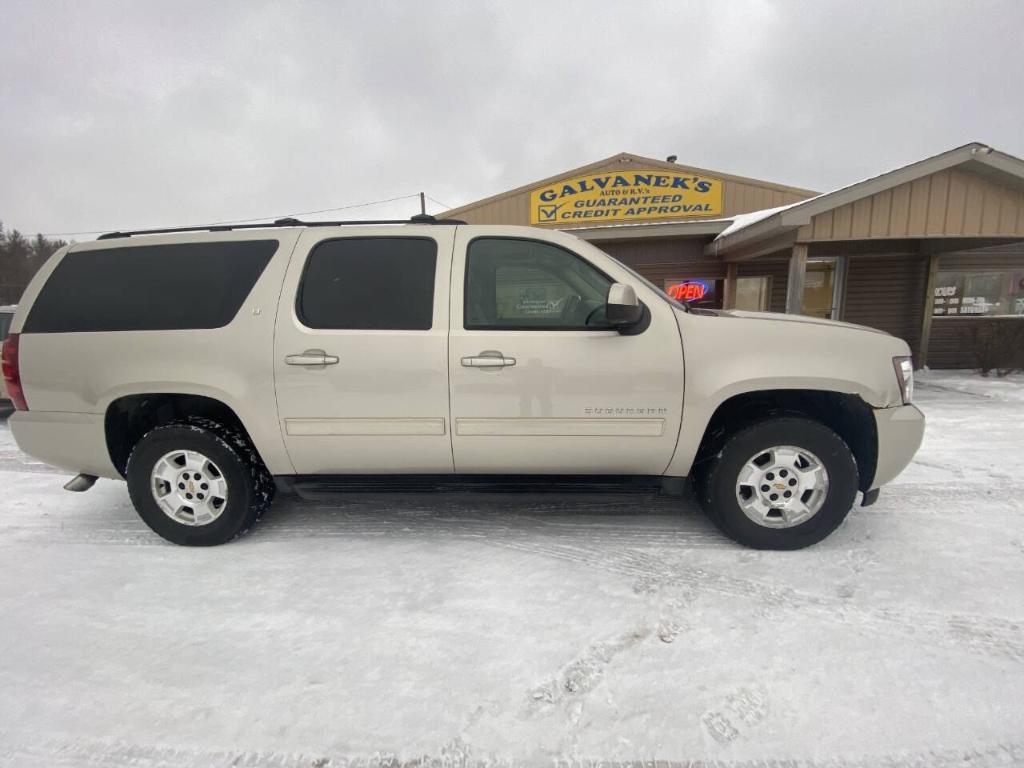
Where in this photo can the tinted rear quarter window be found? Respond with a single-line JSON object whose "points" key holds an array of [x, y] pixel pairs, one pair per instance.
{"points": [[149, 287], [372, 283]]}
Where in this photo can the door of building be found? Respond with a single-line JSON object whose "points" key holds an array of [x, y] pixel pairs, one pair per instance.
{"points": [[822, 288]]}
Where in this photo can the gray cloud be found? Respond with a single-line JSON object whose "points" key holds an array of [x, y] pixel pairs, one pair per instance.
{"points": [[136, 114]]}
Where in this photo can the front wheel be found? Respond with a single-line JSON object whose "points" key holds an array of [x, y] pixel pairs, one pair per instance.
{"points": [[783, 483], [198, 482]]}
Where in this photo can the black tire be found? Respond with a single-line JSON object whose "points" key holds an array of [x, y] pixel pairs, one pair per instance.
{"points": [[716, 482], [250, 486]]}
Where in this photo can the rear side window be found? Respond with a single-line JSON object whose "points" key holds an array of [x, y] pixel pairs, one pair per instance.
{"points": [[369, 283], [149, 287]]}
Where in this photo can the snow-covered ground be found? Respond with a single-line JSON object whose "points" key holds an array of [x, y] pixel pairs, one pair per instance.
{"points": [[472, 629]]}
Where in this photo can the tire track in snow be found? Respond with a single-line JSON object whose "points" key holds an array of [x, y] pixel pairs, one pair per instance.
{"points": [[629, 520], [659, 523], [976, 634], [57, 752], [575, 530]]}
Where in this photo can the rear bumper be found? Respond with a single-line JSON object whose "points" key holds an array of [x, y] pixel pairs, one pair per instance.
{"points": [[72, 441], [900, 431]]}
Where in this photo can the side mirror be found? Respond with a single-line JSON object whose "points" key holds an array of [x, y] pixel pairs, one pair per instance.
{"points": [[622, 306]]}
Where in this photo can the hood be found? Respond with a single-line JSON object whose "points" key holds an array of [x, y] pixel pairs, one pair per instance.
{"points": [[780, 317]]}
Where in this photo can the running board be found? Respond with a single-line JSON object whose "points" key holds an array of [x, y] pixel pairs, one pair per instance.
{"points": [[80, 483], [317, 487]]}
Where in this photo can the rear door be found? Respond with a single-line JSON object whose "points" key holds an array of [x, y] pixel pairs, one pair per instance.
{"points": [[360, 351], [539, 382]]}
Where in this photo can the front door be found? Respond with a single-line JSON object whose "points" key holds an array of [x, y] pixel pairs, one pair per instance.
{"points": [[822, 288], [539, 382], [360, 351]]}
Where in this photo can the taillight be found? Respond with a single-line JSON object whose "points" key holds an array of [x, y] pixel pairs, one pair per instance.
{"points": [[12, 373]]}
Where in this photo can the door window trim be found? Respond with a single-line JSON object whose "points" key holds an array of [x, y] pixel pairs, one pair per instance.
{"points": [[548, 328]]}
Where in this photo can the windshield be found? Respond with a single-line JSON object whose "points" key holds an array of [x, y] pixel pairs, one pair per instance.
{"points": [[5, 324]]}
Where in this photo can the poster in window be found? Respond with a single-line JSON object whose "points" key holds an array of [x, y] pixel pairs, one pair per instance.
{"points": [[978, 294], [946, 300]]}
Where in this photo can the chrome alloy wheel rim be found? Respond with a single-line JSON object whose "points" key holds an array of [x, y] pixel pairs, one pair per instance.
{"points": [[189, 488], [782, 487]]}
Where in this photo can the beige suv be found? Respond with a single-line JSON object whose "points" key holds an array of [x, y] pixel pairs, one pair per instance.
{"points": [[200, 365]]}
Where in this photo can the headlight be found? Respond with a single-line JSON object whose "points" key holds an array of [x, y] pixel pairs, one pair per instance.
{"points": [[905, 376]]}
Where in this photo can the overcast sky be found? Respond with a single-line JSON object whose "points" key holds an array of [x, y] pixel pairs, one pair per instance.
{"points": [[134, 114]]}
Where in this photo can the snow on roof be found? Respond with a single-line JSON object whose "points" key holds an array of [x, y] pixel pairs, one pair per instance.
{"points": [[744, 220]]}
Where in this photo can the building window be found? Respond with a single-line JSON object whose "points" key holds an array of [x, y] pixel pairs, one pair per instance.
{"points": [[973, 294], [696, 291], [753, 293]]}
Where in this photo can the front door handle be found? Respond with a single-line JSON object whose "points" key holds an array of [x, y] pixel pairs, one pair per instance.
{"points": [[312, 357], [488, 359]]}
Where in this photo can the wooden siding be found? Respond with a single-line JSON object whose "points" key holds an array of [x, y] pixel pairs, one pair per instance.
{"points": [[887, 292], [952, 342], [951, 203], [663, 259], [738, 196], [660, 260], [1001, 257]]}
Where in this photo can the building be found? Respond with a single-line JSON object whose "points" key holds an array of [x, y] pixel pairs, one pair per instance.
{"points": [[924, 252]]}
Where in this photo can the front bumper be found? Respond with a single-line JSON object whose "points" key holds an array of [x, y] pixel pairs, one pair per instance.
{"points": [[73, 441], [900, 431]]}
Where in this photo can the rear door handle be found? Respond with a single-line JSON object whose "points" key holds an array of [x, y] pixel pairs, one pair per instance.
{"points": [[312, 357], [488, 359]]}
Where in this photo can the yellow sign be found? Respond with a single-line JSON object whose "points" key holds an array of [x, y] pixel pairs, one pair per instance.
{"points": [[609, 198]]}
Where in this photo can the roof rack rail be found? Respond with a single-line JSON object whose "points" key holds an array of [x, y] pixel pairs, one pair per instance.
{"points": [[419, 218]]}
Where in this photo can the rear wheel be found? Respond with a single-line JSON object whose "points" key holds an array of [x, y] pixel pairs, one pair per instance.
{"points": [[198, 482], [783, 483]]}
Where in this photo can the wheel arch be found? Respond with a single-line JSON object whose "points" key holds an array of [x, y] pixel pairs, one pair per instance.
{"points": [[129, 417], [848, 415]]}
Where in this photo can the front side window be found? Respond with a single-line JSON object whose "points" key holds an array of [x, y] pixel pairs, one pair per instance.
{"points": [[369, 283], [967, 294], [513, 284]]}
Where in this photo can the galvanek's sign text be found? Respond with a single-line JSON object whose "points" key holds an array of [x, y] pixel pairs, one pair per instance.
{"points": [[626, 196]]}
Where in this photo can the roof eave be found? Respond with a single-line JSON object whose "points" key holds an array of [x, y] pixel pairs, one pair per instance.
{"points": [[643, 231], [800, 214]]}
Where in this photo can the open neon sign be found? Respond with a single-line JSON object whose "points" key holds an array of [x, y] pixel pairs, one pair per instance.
{"points": [[690, 290]]}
